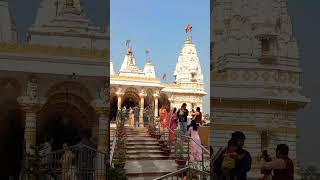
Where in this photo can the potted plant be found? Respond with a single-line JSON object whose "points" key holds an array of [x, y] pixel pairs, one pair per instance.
{"points": [[153, 132], [120, 159], [165, 149], [157, 135], [116, 173], [161, 140]]}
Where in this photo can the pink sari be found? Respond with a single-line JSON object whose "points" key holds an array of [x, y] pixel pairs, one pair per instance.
{"points": [[195, 149], [172, 125]]}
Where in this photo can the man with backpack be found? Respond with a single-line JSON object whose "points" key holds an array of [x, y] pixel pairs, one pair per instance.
{"points": [[233, 162], [182, 115]]}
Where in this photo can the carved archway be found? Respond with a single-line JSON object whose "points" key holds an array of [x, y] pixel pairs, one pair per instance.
{"points": [[113, 106], [70, 87], [130, 98], [66, 114]]}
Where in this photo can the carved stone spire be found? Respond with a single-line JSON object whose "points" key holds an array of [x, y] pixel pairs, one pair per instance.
{"points": [[188, 67]]}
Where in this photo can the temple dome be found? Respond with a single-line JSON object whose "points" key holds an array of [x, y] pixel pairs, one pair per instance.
{"points": [[188, 67], [148, 70], [112, 72], [7, 25], [129, 67]]}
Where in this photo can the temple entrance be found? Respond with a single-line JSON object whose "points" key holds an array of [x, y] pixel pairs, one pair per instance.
{"points": [[130, 98], [113, 107], [129, 103], [12, 119], [64, 118], [61, 127]]}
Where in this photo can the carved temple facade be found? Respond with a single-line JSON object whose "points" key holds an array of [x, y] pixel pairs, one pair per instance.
{"points": [[256, 79], [132, 86], [55, 84]]}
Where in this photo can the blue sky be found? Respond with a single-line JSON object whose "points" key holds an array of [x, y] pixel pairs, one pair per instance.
{"points": [[159, 25]]}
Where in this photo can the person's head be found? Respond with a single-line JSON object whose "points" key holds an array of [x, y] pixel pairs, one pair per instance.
{"points": [[65, 146], [239, 137], [174, 110], [198, 109], [265, 153], [232, 145], [184, 106], [194, 125], [282, 151]]}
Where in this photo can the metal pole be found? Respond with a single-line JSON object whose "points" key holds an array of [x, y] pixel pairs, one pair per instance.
{"points": [[188, 152]]}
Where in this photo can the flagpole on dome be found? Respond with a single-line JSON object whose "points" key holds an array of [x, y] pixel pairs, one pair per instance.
{"points": [[188, 29]]}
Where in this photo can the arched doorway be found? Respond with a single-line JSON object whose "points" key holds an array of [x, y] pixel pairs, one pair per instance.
{"points": [[12, 119], [63, 119], [113, 107], [130, 98]]}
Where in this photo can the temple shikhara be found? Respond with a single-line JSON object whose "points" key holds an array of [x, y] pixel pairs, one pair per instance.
{"points": [[132, 85], [256, 79]]}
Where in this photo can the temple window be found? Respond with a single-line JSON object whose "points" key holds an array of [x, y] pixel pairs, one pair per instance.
{"points": [[265, 47], [267, 54], [193, 76]]}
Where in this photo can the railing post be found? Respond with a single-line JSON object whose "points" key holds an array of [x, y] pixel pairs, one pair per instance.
{"points": [[188, 152], [202, 159]]}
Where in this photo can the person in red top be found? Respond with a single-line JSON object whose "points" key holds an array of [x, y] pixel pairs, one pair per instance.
{"points": [[282, 167], [198, 116]]}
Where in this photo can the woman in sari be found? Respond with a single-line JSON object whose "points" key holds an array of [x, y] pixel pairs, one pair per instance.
{"points": [[195, 149], [66, 162], [163, 116], [131, 118], [173, 124]]}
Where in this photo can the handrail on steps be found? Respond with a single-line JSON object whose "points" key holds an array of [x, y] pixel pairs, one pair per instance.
{"points": [[114, 142], [188, 137], [180, 171]]}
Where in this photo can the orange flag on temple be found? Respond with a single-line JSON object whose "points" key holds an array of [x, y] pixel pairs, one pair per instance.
{"points": [[188, 28]]}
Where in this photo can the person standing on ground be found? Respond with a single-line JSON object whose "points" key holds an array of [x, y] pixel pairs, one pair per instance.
{"points": [[163, 116], [131, 117], [198, 116], [195, 149], [173, 124], [66, 162], [282, 166], [183, 118], [267, 174], [136, 112]]}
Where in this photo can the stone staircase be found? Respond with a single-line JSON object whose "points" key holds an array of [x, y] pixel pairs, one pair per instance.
{"points": [[145, 160]]}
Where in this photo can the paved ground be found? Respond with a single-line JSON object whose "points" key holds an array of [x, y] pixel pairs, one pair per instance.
{"points": [[150, 168]]}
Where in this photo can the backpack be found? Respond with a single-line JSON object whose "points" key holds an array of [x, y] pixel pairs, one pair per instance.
{"points": [[228, 163], [181, 113]]}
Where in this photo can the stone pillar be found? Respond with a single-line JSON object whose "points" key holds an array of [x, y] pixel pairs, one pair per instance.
{"points": [[30, 126], [156, 101], [119, 101], [141, 123], [103, 140]]}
